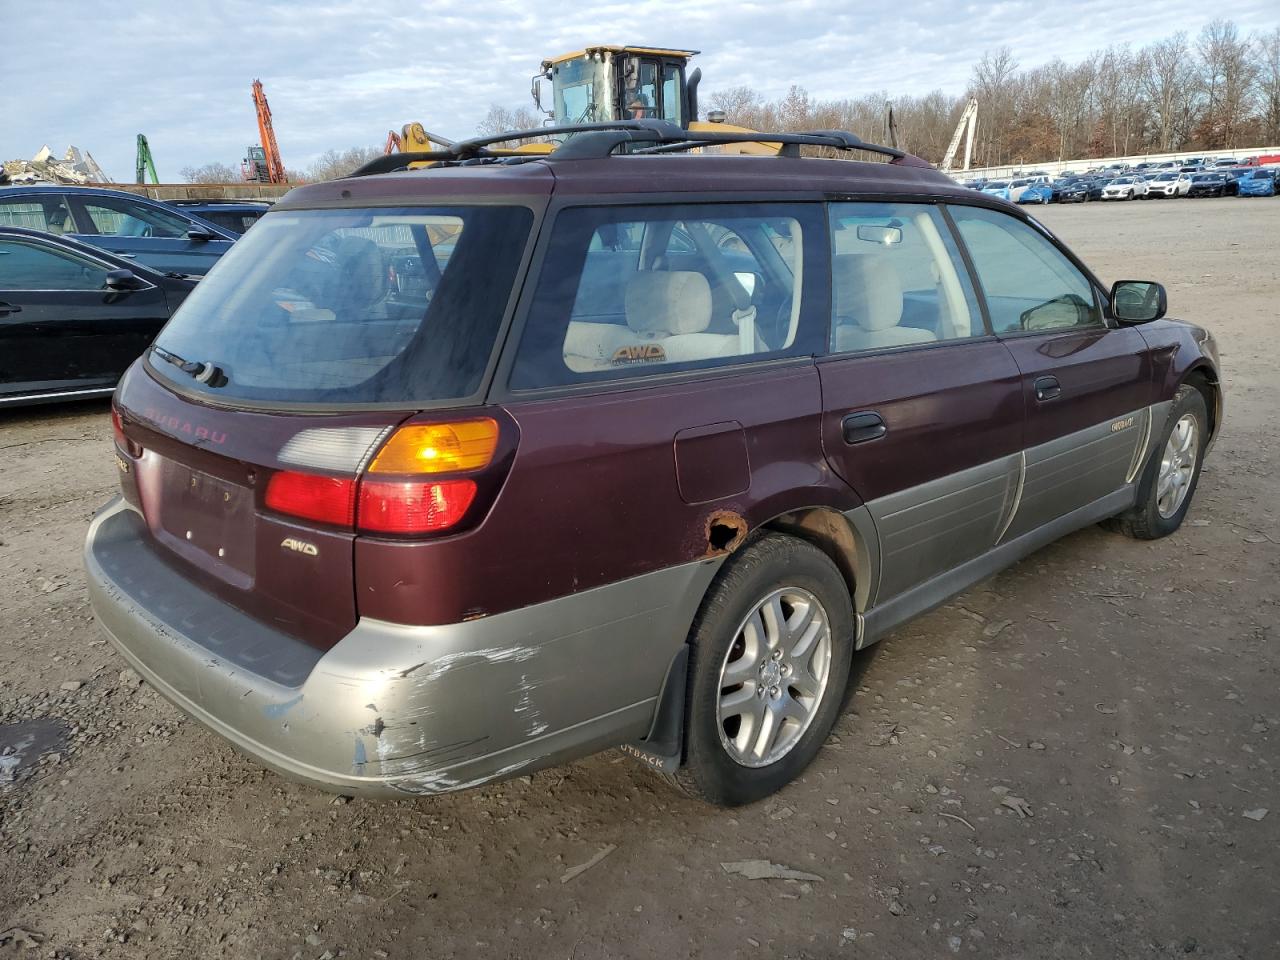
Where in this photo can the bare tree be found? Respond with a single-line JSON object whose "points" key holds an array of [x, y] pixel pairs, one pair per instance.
{"points": [[500, 119], [741, 105], [1166, 77], [1228, 73], [211, 173], [1167, 96], [991, 83], [1267, 46], [334, 164]]}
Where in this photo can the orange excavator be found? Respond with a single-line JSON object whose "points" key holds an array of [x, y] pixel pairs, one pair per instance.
{"points": [[263, 163]]}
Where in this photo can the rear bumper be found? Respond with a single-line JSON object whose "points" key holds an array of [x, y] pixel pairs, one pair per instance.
{"points": [[392, 709]]}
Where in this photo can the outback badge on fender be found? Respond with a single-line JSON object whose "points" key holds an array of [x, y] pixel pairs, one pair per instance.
{"points": [[1124, 424], [300, 546]]}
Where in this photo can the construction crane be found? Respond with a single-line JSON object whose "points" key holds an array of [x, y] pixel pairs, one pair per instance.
{"points": [[968, 121], [412, 138], [263, 162], [144, 166]]}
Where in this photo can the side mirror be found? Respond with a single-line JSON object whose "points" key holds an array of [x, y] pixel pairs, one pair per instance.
{"points": [[122, 280], [1138, 301], [535, 91], [200, 235]]}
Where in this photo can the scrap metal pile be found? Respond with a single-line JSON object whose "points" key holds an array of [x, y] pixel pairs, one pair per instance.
{"points": [[74, 167]]}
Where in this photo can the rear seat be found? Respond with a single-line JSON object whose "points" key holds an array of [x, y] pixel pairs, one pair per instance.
{"points": [[668, 314]]}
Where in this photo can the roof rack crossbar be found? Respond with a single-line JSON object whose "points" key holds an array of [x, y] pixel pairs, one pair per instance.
{"points": [[662, 128], [839, 139], [598, 140], [476, 146]]}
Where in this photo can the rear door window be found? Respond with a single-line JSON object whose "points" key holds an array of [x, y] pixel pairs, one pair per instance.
{"points": [[896, 278], [47, 212], [1029, 284], [631, 291], [30, 266], [117, 217], [394, 306]]}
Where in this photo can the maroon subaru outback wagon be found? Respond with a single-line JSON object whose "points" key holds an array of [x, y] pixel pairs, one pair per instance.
{"points": [[445, 475]]}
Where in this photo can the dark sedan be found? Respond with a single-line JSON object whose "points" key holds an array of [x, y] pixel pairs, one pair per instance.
{"points": [[73, 317], [1072, 191], [137, 228], [1212, 185]]}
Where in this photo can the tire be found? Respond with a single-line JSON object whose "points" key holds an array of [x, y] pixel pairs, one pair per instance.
{"points": [[732, 614], [1154, 515]]}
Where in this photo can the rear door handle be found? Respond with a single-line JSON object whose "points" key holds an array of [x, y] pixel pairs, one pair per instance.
{"points": [[861, 427], [6, 308], [125, 254], [1047, 388]]}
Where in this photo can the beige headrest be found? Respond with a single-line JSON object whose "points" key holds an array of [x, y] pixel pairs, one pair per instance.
{"points": [[868, 290], [661, 302]]}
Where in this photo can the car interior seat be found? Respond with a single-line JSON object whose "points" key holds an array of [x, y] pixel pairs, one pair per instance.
{"points": [[868, 304], [668, 314]]}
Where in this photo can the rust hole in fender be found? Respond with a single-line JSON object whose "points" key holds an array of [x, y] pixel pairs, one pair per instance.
{"points": [[725, 531]]}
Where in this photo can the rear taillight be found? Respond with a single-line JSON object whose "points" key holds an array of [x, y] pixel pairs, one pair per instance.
{"points": [[123, 442], [402, 490], [438, 447], [323, 499], [413, 506]]}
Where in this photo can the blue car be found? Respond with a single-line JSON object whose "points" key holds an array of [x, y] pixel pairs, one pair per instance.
{"points": [[1257, 183], [1036, 193], [162, 237]]}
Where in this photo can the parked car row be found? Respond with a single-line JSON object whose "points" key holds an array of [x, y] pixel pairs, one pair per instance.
{"points": [[1135, 185], [88, 276], [73, 316]]}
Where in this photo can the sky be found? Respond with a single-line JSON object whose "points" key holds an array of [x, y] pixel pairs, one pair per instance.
{"points": [[341, 73]]}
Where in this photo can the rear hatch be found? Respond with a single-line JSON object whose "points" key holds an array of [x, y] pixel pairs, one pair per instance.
{"points": [[244, 434]]}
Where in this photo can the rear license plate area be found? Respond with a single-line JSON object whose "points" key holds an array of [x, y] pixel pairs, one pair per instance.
{"points": [[208, 521]]}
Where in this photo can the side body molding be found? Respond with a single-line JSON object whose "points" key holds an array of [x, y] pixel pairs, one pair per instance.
{"points": [[936, 539]]}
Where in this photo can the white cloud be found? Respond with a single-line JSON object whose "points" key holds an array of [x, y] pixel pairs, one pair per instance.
{"points": [[340, 72]]}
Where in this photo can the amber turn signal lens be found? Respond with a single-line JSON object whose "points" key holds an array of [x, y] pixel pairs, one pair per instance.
{"points": [[438, 447]]}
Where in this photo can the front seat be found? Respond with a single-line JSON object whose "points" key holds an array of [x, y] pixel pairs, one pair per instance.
{"points": [[868, 304]]}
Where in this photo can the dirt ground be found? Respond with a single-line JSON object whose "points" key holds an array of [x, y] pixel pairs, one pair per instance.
{"points": [[1121, 695]]}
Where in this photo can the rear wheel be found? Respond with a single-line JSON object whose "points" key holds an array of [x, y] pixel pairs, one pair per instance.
{"points": [[770, 656], [1169, 480]]}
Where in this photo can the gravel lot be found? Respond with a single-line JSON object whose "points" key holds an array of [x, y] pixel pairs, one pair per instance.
{"points": [[1074, 759]]}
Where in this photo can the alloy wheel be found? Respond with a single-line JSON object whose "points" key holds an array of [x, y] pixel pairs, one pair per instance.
{"points": [[1177, 465], [774, 677]]}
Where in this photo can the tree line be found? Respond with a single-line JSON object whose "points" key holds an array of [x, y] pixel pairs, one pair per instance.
{"points": [[330, 165], [1217, 91]]}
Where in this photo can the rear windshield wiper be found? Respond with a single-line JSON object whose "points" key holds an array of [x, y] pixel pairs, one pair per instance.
{"points": [[200, 370]]}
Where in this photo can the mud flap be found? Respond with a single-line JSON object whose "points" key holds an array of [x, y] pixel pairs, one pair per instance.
{"points": [[663, 747]]}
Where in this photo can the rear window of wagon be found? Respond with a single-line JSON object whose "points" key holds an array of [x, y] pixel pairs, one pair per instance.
{"points": [[395, 306]]}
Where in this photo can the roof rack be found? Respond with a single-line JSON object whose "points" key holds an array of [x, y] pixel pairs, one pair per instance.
{"points": [[598, 140]]}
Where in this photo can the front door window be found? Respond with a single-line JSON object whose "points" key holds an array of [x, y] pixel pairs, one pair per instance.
{"points": [[1030, 285]]}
